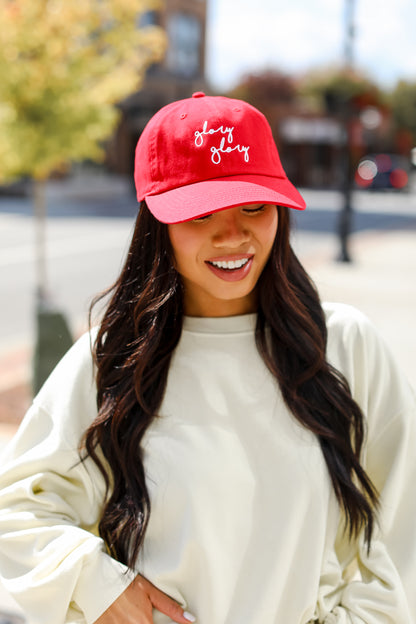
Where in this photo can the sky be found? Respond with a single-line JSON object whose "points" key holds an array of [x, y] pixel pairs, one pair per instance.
{"points": [[294, 36]]}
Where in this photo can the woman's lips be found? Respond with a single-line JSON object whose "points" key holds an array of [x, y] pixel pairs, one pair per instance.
{"points": [[231, 268]]}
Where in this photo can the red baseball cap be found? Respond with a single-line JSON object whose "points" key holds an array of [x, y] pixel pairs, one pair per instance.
{"points": [[206, 153]]}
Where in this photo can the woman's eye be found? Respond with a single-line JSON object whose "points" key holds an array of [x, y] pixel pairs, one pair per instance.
{"points": [[248, 210], [200, 219]]}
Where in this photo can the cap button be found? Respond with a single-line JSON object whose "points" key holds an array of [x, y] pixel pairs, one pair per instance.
{"points": [[198, 94]]}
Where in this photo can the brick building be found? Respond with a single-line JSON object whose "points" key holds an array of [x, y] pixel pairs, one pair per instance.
{"points": [[178, 75]]}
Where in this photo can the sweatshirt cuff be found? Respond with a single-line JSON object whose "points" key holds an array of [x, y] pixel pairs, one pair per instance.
{"points": [[101, 582]]}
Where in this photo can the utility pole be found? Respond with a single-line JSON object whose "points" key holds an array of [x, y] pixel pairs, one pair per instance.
{"points": [[345, 219], [349, 32]]}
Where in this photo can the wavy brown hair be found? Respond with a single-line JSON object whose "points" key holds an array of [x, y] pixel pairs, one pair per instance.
{"points": [[139, 331]]}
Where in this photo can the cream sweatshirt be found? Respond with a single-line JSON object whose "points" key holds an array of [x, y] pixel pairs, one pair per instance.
{"points": [[245, 527]]}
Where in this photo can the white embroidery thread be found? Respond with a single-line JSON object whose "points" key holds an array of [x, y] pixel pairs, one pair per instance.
{"points": [[221, 149]]}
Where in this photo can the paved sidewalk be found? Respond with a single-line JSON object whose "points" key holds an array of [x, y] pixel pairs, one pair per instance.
{"points": [[381, 282]]}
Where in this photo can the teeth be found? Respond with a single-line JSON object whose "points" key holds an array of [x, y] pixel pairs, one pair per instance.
{"points": [[230, 264]]}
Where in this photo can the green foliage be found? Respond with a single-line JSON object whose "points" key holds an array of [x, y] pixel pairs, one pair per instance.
{"points": [[403, 106], [330, 89], [63, 67]]}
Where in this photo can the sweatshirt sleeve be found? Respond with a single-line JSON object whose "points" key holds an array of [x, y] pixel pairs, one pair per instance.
{"points": [[52, 560], [383, 591]]}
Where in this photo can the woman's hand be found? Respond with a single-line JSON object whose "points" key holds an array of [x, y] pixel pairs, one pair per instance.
{"points": [[136, 603]]}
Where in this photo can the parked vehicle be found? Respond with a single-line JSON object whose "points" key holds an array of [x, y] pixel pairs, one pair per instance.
{"points": [[383, 171]]}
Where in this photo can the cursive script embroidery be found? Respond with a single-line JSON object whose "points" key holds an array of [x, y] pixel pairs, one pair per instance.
{"points": [[199, 134], [222, 148], [216, 151]]}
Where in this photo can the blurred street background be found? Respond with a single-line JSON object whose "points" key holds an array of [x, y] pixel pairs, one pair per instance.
{"points": [[337, 82]]}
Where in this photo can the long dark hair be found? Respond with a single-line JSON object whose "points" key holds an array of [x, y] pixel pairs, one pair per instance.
{"points": [[139, 331]]}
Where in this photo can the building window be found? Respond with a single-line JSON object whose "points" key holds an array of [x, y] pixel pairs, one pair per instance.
{"points": [[148, 18], [184, 33]]}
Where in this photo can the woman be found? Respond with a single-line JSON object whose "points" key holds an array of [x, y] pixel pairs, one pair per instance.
{"points": [[234, 451]]}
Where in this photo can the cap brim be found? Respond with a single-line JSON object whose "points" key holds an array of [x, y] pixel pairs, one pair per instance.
{"points": [[196, 200]]}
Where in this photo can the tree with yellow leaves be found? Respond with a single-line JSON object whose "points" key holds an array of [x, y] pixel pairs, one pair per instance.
{"points": [[63, 67]]}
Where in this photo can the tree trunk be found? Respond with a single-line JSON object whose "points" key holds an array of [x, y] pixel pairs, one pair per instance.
{"points": [[41, 279], [53, 336]]}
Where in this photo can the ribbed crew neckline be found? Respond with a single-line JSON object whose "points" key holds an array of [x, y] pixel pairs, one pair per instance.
{"points": [[220, 325]]}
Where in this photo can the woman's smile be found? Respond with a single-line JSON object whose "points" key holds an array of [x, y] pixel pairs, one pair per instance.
{"points": [[231, 268]]}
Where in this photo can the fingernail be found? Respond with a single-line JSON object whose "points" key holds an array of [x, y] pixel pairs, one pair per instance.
{"points": [[188, 616]]}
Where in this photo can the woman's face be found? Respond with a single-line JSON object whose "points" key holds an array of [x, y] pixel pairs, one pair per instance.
{"points": [[221, 256]]}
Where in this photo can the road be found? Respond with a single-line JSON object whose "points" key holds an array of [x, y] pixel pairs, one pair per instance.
{"points": [[87, 238]]}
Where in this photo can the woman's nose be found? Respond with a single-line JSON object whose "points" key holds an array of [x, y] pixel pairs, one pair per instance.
{"points": [[231, 230]]}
